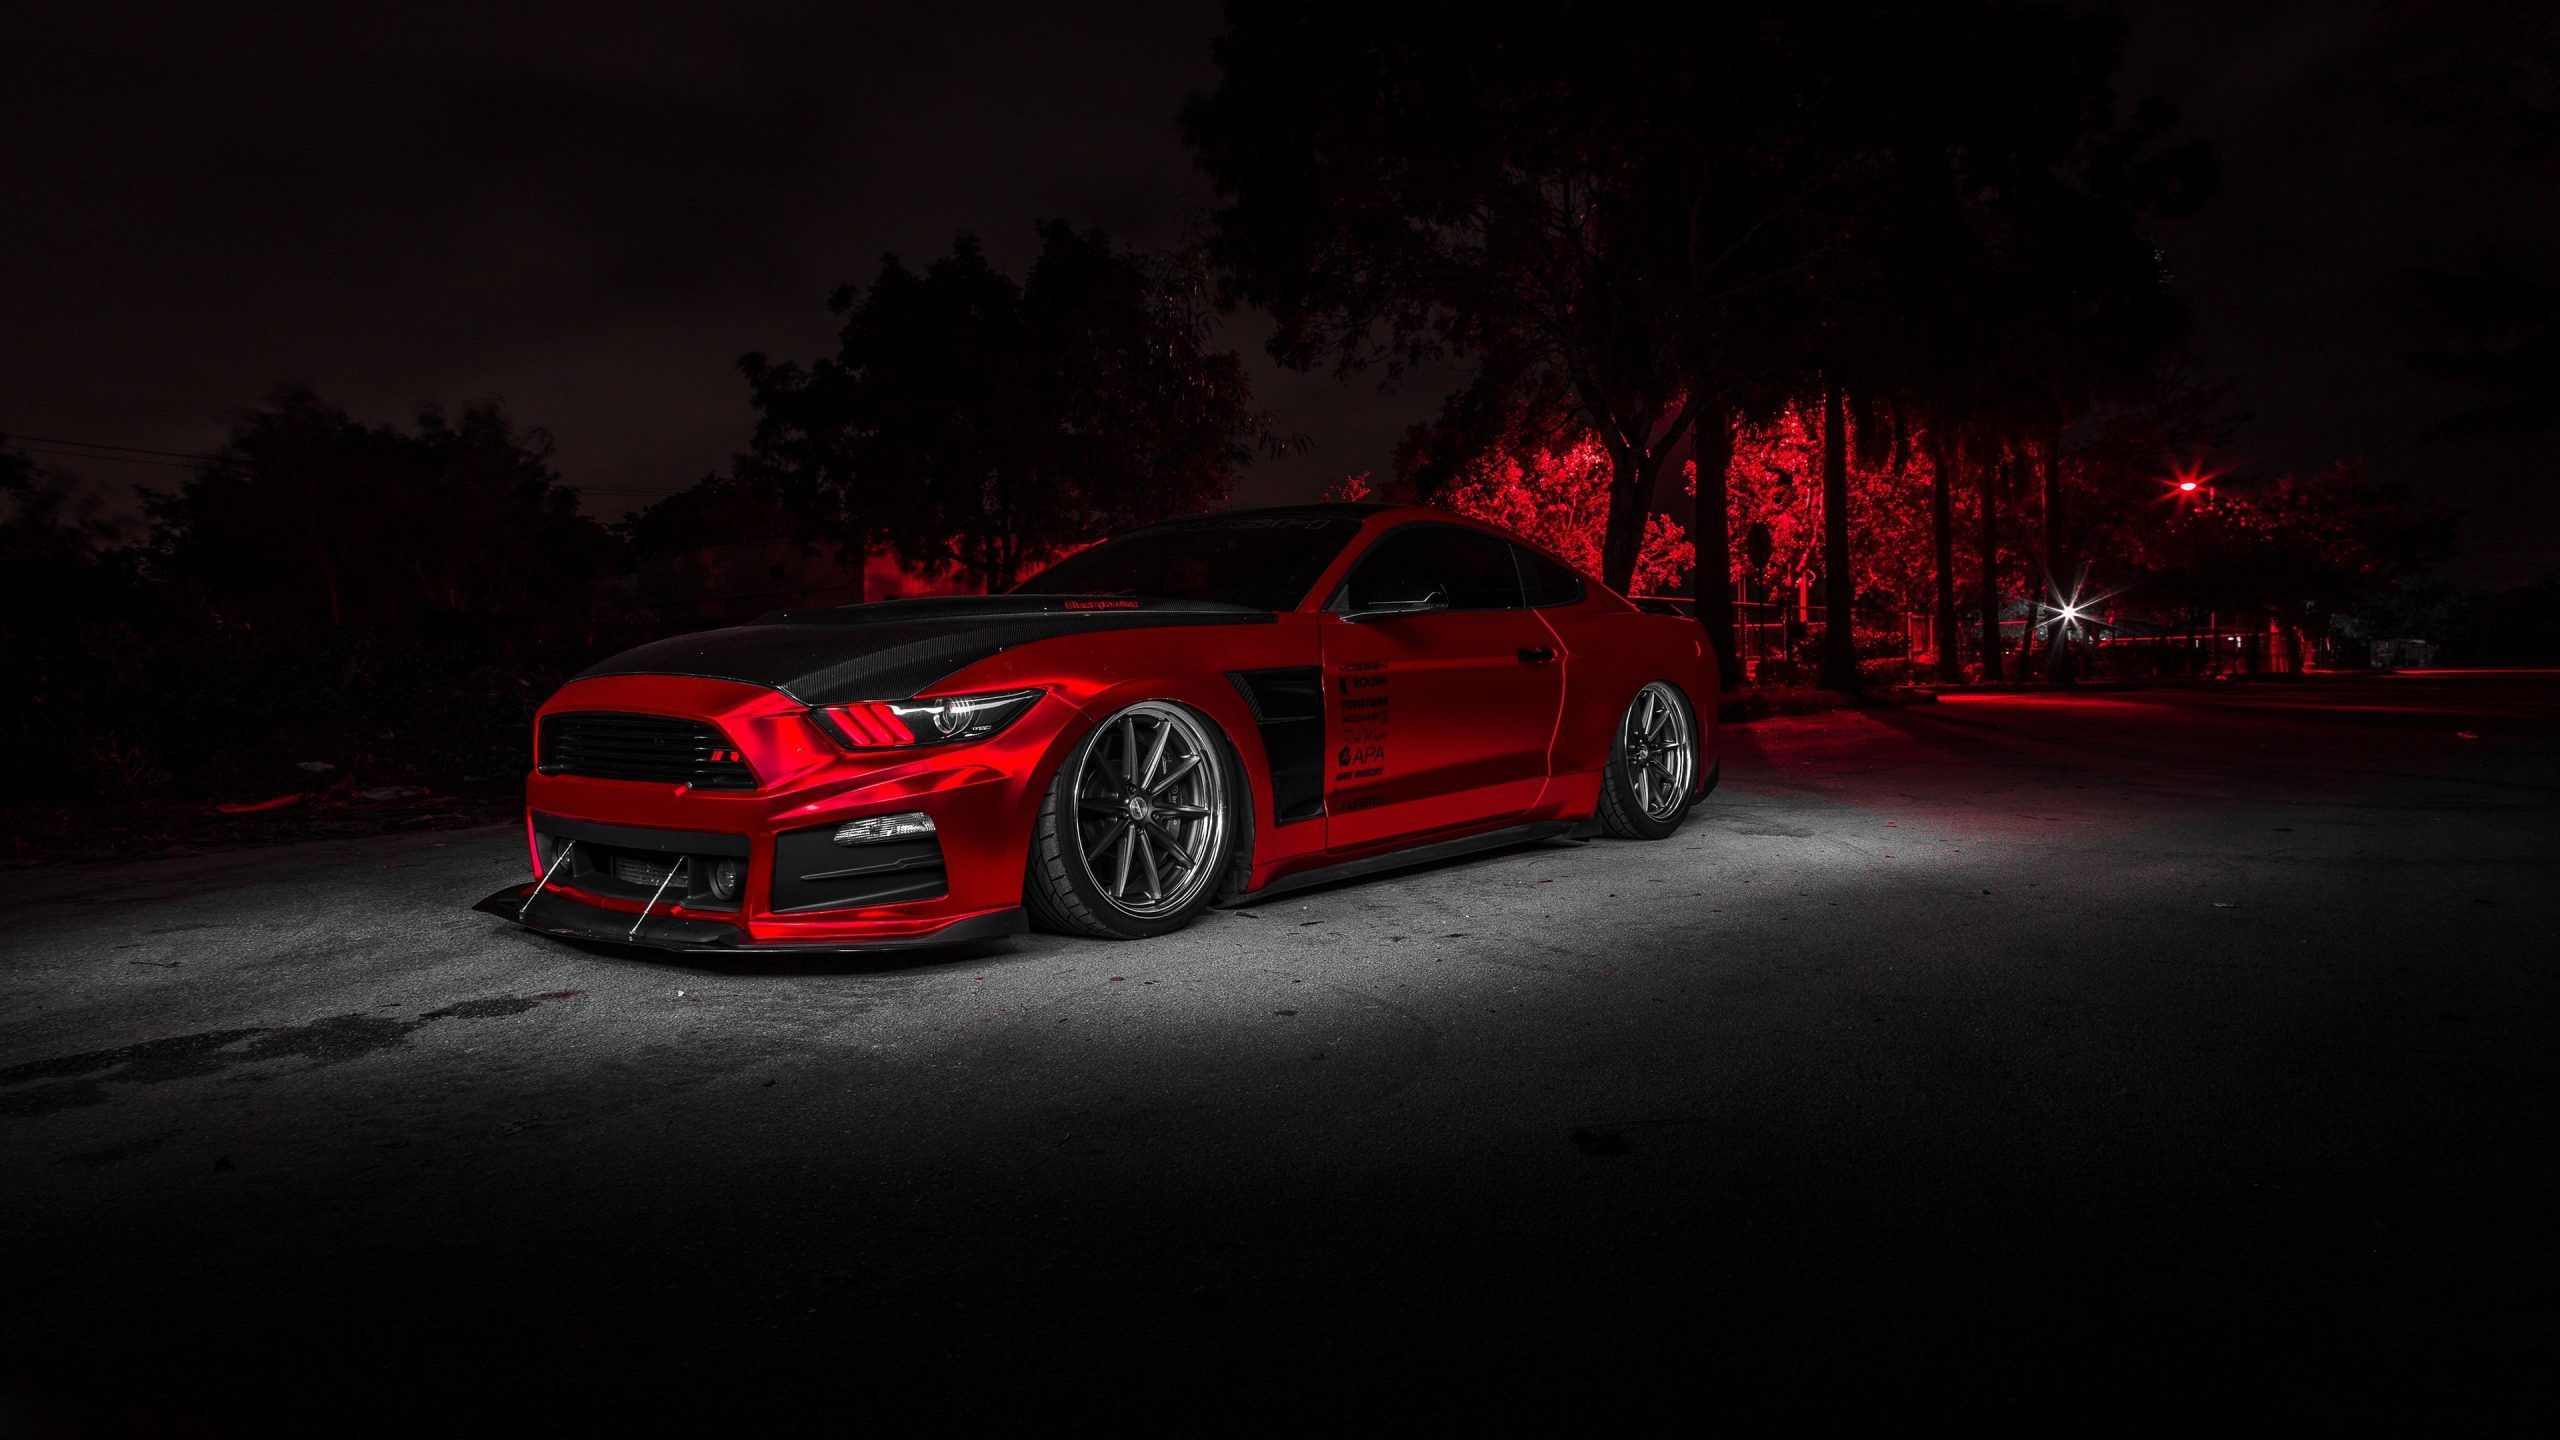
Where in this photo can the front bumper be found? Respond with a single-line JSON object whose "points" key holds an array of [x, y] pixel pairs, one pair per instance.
{"points": [[758, 868], [553, 913]]}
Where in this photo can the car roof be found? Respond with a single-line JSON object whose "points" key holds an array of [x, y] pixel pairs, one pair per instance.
{"points": [[1375, 517], [1344, 509], [1339, 510]]}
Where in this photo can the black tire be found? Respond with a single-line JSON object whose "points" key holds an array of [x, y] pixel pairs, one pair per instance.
{"points": [[1061, 889], [1625, 811]]}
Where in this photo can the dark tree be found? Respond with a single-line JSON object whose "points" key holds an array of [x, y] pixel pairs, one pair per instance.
{"points": [[718, 509], [309, 519], [1839, 668], [971, 422], [2296, 551], [60, 558], [1549, 196], [2496, 330], [1944, 450], [1711, 531]]}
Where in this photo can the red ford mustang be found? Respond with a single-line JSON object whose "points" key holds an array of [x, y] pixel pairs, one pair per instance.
{"points": [[1207, 711]]}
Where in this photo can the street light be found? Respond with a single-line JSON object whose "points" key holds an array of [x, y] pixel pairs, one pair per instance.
{"points": [[2191, 481]]}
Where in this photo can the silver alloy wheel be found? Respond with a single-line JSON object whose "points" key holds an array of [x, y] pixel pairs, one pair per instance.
{"points": [[1660, 752], [1151, 809]]}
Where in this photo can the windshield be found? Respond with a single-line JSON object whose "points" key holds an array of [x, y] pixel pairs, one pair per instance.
{"points": [[1264, 561]]}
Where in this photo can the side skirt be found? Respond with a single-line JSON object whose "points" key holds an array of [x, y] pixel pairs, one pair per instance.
{"points": [[1501, 839]]}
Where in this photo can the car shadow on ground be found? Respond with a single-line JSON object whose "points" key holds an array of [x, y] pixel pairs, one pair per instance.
{"points": [[1032, 944], [794, 963]]}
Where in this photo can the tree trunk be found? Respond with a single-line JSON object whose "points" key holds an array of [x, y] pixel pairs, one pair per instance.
{"points": [[2019, 479], [2059, 579], [1711, 581], [1990, 566], [1622, 543], [1839, 587], [2056, 563], [1942, 542]]}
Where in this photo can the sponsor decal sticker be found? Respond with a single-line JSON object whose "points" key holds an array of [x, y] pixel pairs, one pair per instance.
{"points": [[1361, 705]]}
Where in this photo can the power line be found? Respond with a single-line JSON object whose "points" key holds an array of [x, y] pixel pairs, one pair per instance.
{"points": [[112, 459], [189, 460], [103, 445]]}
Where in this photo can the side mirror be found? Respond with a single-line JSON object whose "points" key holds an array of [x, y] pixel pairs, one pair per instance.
{"points": [[1402, 597]]}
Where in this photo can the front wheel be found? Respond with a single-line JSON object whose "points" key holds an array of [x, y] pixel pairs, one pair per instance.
{"points": [[1137, 827], [1652, 774]]}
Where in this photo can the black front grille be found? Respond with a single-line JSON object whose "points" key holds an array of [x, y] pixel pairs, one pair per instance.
{"points": [[657, 748], [632, 870]]}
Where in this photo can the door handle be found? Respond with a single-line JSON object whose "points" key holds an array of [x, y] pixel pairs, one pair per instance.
{"points": [[1540, 655]]}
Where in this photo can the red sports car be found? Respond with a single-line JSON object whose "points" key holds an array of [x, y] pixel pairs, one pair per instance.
{"points": [[1206, 711]]}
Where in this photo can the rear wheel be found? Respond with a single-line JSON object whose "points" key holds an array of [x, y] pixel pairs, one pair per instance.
{"points": [[1137, 827], [1652, 774]]}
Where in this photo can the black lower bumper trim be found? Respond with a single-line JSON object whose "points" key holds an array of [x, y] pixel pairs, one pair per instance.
{"points": [[553, 913], [640, 837]]}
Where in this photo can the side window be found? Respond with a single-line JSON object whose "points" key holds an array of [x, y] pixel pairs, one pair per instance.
{"points": [[1474, 568], [1547, 582]]}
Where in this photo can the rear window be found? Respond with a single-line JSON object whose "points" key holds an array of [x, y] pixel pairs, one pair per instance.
{"points": [[1547, 582]]}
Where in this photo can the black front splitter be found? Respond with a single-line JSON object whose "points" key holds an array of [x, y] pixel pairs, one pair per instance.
{"points": [[554, 913]]}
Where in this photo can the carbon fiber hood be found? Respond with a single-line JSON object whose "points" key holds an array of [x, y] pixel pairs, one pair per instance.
{"points": [[893, 649]]}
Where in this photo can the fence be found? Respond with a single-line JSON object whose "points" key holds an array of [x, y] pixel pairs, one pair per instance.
{"points": [[1781, 640], [1783, 634]]}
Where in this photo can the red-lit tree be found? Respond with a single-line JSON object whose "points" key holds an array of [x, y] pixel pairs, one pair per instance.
{"points": [[1549, 200], [1775, 479], [1560, 499]]}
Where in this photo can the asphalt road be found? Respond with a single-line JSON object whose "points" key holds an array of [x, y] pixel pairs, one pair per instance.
{"points": [[2124, 1061]]}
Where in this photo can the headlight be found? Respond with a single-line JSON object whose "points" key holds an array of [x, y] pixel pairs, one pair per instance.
{"points": [[891, 724]]}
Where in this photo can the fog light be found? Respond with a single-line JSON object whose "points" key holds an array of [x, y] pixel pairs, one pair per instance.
{"points": [[727, 879], [904, 826]]}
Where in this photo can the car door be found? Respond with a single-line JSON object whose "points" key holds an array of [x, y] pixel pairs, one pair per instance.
{"points": [[1436, 720]]}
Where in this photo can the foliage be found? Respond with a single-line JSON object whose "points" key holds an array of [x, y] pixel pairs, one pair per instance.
{"points": [[718, 509], [2497, 331], [969, 421], [2300, 549], [1775, 481], [1554, 202], [318, 590], [1560, 499], [58, 556], [307, 518], [1619, 222]]}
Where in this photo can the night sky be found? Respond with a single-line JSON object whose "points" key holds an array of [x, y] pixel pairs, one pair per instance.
{"points": [[592, 214]]}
